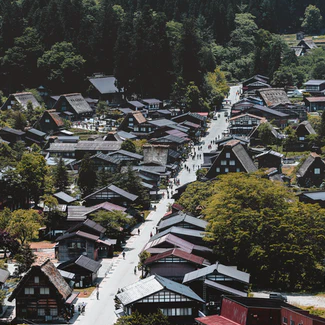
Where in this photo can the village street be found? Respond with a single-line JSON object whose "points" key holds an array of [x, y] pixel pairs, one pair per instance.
{"points": [[120, 272]]}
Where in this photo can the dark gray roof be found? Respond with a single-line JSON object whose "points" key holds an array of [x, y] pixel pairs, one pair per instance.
{"points": [[270, 152], [151, 285], [99, 145], [179, 127], [77, 234], [64, 197], [105, 85], [224, 288], [87, 263], [270, 111], [179, 231], [90, 224], [13, 131], [78, 103], [125, 110], [107, 158], [36, 132], [116, 190], [228, 271], [244, 158], [162, 122], [169, 139], [4, 275], [174, 154], [182, 217]]}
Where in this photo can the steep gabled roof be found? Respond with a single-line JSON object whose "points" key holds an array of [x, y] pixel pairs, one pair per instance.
{"points": [[138, 117], [151, 285], [182, 217], [105, 84], [217, 268], [116, 190], [173, 241], [54, 276], [77, 102], [78, 233], [84, 262], [307, 164], [307, 126], [88, 223], [244, 158], [24, 98], [177, 253]]}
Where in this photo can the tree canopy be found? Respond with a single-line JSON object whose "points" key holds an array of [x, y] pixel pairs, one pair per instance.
{"points": [[259, 226]]}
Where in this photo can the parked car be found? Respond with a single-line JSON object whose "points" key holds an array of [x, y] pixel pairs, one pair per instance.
{"points": [[277, 295], [215, 117]]}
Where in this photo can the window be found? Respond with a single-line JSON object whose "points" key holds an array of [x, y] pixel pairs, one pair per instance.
{"points": [[36, 279], [177, 311], [237, 170], [41, 312], [226, 170], [44, 291], [223, 162], [292, 322], [228, 155], [232, 163], [301, 138], [285, 320], [47, 120], [29, 291], [316, 171], [218, 170], [143, 129], [53, 312], [130, 119], [136, 128]]}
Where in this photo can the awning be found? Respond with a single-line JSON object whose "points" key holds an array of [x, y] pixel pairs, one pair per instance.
{"points": [[68, 113], [72, 298]]}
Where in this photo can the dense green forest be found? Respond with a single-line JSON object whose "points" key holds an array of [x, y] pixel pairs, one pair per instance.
{"points": [[147, 44]]}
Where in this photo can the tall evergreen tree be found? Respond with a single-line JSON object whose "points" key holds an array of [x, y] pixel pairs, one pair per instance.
{"points": [[87, 176], [61, 176]]}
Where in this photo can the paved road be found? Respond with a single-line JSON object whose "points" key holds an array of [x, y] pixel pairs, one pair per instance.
{"points": [[121, 272]]}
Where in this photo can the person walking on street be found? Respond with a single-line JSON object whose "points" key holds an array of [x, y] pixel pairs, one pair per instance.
{"points": [[135, 270], [97, 294], [123, 255], [139, 231]]}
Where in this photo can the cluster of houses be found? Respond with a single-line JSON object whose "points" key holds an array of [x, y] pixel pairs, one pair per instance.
{"points": [[243, 149]]}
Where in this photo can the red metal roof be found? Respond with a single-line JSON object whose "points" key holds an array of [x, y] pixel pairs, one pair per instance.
{"points": [[202, 113], [178, 207], [177, 253], [215, 320]]}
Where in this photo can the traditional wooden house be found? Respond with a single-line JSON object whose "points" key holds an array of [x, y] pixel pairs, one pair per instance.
{"points": [[104, 88], [244, 124], [312, 171], [170, 241], [255, 79], [296, 112], [124, 157], [279, 119], [174, 264], [315, 87], [152, 104], [11, 135], [269, 159], [94, 147], [111, 193], [73, 244], [84, 268], [20, 101], [78, 213], [136, 124], [255, 138], [194, 118], [175, 300], [273, 96], [35, 136], [89, 226], [42, 295], [233, 158], [303, 130], [211, 282], [73, 107], [175, 142], [307, 44], [136, 105], [50, 122]]}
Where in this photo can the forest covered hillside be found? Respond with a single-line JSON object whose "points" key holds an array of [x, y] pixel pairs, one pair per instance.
{"points": [[153, 47]]}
